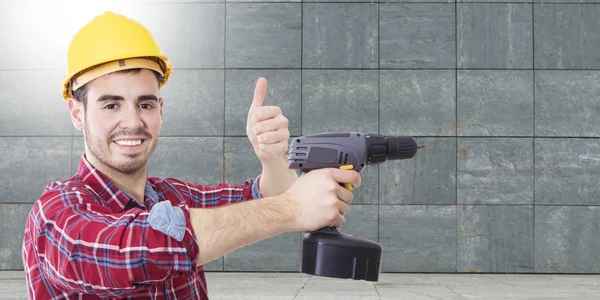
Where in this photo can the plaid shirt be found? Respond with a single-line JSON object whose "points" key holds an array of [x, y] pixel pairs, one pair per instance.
{"points": [[87, 239]]}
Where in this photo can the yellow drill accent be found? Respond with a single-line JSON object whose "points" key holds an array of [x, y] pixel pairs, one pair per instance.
{"points": [[347, 167]]}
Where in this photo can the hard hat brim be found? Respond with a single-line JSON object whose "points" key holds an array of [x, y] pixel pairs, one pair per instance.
{"points": [[75, 81]]}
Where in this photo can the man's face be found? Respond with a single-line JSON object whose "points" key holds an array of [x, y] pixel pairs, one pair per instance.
{"points": [[123, 120]]}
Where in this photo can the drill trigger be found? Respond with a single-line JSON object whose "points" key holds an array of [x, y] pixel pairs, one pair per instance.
{"points": [[347, 167]]}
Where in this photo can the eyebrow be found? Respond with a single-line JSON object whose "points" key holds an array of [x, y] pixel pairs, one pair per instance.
{"points": [[108, 97]]}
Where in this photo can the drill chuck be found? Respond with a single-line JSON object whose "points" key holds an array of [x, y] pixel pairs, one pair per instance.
{"points": [[381, 148]]}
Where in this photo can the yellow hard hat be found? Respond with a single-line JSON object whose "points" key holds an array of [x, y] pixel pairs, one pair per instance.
{"points": [[108, 43]]}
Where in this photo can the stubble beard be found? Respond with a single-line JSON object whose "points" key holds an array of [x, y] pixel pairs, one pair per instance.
{"points": [[126, 163]]}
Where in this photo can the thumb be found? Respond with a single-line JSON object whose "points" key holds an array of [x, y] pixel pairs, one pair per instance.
{"points": [[260, 91]]}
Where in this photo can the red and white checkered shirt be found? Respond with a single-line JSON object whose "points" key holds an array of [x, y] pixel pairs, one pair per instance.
{"points": [[87, 239]]}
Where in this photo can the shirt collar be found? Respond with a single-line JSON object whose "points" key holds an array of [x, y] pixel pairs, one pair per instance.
{"points": [[115, 198]]}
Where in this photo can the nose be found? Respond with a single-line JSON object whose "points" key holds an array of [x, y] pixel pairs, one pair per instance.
{"points": [[132, 118]]}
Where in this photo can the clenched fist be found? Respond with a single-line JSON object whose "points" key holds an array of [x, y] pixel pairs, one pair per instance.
{"points": [[266, 127], [319, 200]]}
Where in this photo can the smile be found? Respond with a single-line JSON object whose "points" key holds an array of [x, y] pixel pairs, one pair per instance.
{"points": [[129, 142]]}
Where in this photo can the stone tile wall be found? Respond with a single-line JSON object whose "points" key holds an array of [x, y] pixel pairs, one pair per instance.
{"points": [[505, 96]]}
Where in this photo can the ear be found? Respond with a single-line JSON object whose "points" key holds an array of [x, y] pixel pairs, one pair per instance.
{"points": [[77, 113], [160, 102]]}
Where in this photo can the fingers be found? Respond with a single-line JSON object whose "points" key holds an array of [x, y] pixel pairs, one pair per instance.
{"points": [[274, 150], [343, 207], [345, 176], [266, 113], [345, 195], [339, 221], [273, 137], [260, 91]]}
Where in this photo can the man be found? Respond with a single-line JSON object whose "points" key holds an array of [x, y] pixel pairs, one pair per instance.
{"points": [[110, 231]]}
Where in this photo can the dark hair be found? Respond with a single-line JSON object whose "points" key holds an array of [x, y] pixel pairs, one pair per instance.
{"points": [[81, 93]]}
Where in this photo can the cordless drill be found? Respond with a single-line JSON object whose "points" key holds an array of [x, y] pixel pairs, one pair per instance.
{"points": [[328, 252]]}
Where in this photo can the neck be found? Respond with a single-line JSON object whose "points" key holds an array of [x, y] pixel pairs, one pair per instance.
{"points": [[133, 184]]}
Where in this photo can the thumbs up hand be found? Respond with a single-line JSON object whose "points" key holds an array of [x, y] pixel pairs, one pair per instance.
{"points": [[266, 127]]}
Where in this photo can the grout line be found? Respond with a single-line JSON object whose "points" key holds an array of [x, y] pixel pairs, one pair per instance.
{"points": [[224, 137], [376, 291], [301, 67], [378, 121], [533, 126], [302, 287], [457, 294], [456, 205]]}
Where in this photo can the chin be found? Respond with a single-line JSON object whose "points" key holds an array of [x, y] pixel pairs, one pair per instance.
{"points": [[129, 165]]}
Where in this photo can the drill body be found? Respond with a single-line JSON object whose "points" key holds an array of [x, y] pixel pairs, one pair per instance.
{"points": [[327, 251], [352, 150]]}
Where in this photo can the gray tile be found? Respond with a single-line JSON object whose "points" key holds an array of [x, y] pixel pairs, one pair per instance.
{"points": [[552, 2], [283, 90], [13, 289], [493, 35], [338, 1], [566, 36], [495, 239], [566, 239], [325, 288], [280, 253], [427, 178], [495, 171], [190, 34], [255, 286], [240, 160], [418, 238], [495, 102], [399, 290], [197, 160], [564, 102], [13, 217], [263, 35], [417, 35], [368, 191], [493, 1], [32, 163], [29, 47], [33, 109], [340, 35], [362, 221], [418, 102], [264, 1], [567, 171], [339, 100], [78, 148], [215, 265], [193, 103], [416, 1]]}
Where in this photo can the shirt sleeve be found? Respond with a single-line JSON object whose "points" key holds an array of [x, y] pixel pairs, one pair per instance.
{"points": [[217, 195], [84, 247]]}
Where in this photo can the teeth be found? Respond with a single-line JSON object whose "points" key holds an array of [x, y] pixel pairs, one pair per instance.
{"points": [[129, 142]]}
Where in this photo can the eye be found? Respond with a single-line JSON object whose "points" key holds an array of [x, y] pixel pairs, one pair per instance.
{"points": [[146, 106], [110, 106]]}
